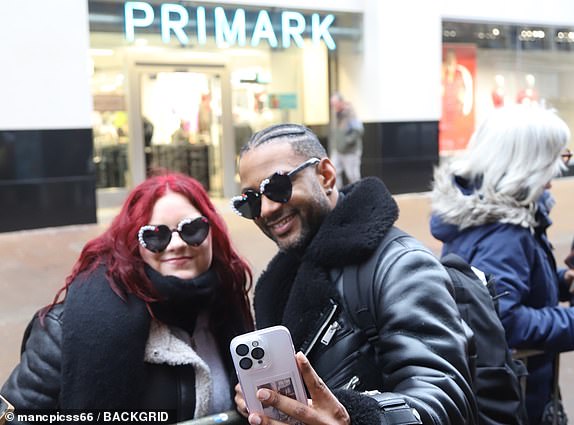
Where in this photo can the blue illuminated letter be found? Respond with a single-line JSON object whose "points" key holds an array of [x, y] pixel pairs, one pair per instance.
{"points": [[295, 31], [131, 22], [226, 35], [177, 26], [201, 27], [263, 29], [321, 30]]}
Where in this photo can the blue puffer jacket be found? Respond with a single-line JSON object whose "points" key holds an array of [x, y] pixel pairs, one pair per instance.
{"points": [[530, 287]]}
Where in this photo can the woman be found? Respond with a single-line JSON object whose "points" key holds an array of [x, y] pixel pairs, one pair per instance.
{"points": [[148, 313], [490, 206]]}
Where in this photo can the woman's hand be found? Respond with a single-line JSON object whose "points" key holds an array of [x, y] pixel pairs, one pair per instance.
{"points": [[323, 408]]}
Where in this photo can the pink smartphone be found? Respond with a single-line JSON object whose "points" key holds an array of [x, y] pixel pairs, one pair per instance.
{"points": [[266, 359]]}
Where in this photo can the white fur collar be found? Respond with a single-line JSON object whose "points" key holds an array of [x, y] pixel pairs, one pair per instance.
{"points": [[454, 207], [170, 346]]}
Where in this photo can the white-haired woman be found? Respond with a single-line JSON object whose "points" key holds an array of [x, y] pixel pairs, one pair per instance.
{"points": [[490, 206]]}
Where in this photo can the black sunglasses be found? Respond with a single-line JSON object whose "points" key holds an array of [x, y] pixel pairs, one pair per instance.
{"points": [[278, 188], [192, 231]]}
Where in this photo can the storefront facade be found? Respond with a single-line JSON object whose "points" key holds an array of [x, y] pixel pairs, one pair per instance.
{"points": [[102, 91], [184, 86]]}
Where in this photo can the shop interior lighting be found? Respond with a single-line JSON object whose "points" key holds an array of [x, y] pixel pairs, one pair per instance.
{"points": [[491, 35], [503, 35], [528, 35], [245, 52], [101, 52]]}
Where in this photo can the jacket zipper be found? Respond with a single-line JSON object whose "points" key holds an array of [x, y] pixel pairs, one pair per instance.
{"points": [[321, 329], [352, 384], [330, 333]]}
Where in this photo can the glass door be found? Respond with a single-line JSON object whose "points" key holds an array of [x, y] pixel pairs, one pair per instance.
{"points": [[181, 119], [182, 122]]}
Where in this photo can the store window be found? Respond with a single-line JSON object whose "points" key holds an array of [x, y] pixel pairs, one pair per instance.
{"points": [[488, 65], [109, 118], [268, 87]]}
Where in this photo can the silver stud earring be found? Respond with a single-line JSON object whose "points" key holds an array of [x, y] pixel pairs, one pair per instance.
{"points": [[329, 191]]}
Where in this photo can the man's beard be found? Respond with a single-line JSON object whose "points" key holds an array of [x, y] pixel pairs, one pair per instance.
{"points": [[309, 227], [298, 246]]}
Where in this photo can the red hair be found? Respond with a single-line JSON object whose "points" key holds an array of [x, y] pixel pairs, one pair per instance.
{"points": [[118, 247]]}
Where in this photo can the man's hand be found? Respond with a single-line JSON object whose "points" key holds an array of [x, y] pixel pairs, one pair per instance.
{"points": [[240, 401], [323, 408]]}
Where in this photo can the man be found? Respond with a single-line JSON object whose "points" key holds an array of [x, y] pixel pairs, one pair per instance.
{"points": [[417, 362], [346, 139]]}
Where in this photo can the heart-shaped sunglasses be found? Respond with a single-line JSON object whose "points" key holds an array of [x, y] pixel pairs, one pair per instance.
{"points": [[192, 231], [278, 187]]}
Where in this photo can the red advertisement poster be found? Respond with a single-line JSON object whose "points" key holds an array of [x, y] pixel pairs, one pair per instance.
{"points": [[458, 84]]}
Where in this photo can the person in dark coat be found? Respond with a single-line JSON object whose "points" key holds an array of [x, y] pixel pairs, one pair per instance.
{"points": [[491, 206], [414, 368], [346, 137], [147, 315]]}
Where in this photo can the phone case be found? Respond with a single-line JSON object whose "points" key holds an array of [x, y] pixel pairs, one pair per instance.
{"points": [[266, 359], [5, 409]]}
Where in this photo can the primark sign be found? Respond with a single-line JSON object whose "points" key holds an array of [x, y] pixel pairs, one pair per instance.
{"points": [[228, 26]]}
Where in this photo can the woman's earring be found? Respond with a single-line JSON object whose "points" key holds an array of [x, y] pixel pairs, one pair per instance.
{"points": [[329, 191]]}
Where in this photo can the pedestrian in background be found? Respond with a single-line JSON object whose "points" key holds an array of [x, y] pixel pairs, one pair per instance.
{"points": [[147, 314], [490, 206], [415, 362], [347, 140]]}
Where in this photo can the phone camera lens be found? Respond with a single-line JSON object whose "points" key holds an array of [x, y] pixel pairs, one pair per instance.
{"points": [[257, 353], [242, 349], [245, 363]]}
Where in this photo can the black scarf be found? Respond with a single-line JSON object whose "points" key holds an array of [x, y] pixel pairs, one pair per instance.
{"points": [[104, 337], [294, 290], [183, 298]]}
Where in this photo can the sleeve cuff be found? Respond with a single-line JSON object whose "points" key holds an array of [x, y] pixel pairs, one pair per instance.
{"points": [[362, 409], [377, 408]]}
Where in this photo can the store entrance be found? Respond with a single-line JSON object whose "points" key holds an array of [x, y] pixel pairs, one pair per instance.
{"points": [[179, 113], [165, 112]]}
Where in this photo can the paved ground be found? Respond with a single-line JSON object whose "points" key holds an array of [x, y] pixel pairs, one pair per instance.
{"points": [[34, 264]]}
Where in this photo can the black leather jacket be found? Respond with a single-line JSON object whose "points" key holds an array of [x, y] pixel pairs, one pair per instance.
{"points": [[420, 352], [35, 382]]}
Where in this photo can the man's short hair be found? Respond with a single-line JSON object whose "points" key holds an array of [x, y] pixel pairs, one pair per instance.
{"points": [[303, 141]]}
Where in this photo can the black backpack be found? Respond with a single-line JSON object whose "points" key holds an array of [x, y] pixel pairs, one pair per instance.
{"points": [[496, 375]]}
